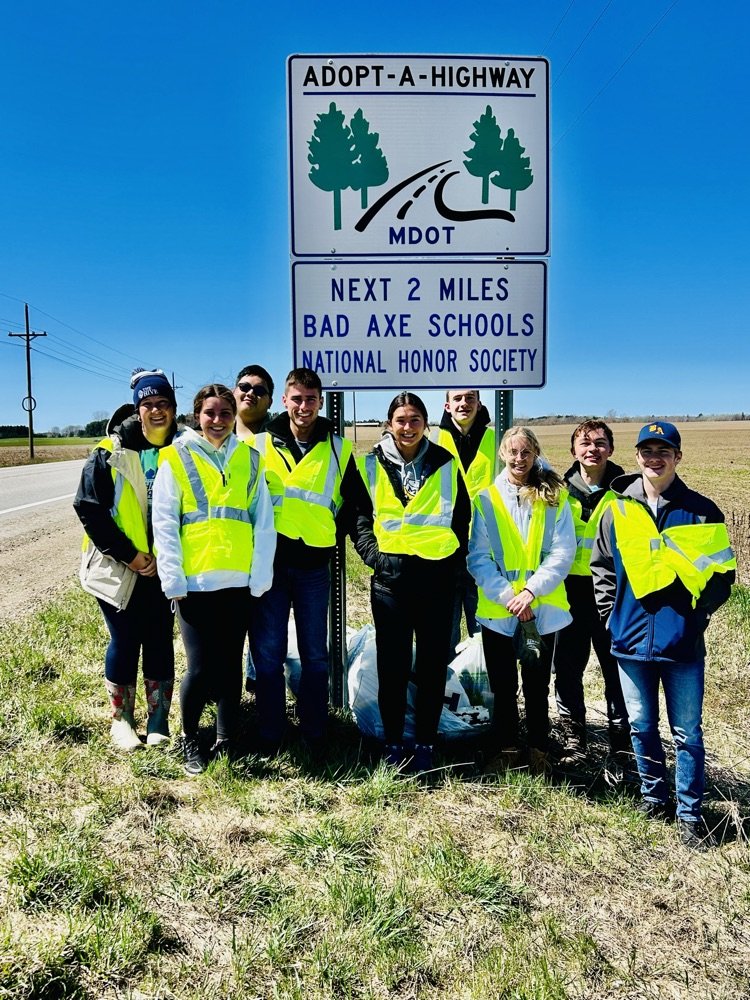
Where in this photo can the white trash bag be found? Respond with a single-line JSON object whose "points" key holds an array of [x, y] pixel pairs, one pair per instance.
{"points": [[459, 717]]}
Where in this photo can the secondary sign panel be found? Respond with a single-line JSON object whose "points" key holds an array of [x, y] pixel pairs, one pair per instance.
{"points": [[414, 155], [421, 324]]}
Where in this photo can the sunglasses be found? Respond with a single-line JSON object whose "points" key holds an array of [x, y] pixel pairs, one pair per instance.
{"points": [[257, 390]]}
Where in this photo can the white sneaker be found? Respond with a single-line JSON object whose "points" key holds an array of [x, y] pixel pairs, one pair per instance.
{"points": [[124, 735]]}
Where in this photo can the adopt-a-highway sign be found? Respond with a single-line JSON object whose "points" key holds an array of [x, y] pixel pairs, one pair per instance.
{"points": [[418, 155], [429, 324]]}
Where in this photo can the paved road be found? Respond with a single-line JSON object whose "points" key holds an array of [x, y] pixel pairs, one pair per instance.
{"points": [[40, 535], [25, 487]]}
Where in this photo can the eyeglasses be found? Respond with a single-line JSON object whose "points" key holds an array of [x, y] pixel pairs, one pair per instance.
{"points": [[257, 390], [155, 404]]}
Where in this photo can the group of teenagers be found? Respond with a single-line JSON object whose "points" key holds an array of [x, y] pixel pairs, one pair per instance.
{"points": [[232, 525]]}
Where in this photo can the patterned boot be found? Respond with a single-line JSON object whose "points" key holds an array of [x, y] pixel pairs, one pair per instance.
{"points": [[159, 701], [123, 731]]}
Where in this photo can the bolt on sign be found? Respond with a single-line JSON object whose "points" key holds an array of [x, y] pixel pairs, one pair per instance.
{"points": [[418, 155]]}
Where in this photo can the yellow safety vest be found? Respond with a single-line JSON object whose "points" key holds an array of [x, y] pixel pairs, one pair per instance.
{"points": [[652, 559], [306, 496], [481, 471], [129, 506], [586, 532], [215, 528], [515, 559], [422, 527]]}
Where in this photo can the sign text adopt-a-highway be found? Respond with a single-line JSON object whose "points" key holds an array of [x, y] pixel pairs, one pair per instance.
{"points": [[436, 324], [409, 155]]}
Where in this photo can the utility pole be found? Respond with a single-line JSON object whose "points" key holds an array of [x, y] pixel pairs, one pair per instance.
{"points": [[29, 402]]}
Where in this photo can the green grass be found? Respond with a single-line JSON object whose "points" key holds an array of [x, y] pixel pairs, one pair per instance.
{"points": [[47, 442], [119, 876]]}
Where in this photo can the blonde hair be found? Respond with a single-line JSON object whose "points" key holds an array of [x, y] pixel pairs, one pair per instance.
{"points": [[543, 482]]}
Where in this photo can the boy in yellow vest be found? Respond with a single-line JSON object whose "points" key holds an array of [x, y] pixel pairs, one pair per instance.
{"points": [[310, 471], [588, 483], [662, 565]]}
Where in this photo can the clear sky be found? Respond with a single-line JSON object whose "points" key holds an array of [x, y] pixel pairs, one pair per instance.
{"points": [[144, 192]]}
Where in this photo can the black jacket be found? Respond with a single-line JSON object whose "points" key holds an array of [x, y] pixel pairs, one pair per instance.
{"points": [[579, 490], [400, 571], [467, 445]]}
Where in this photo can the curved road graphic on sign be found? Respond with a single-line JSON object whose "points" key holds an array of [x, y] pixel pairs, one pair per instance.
{"points": [[458, 215], [453, 214], [370, 214]]}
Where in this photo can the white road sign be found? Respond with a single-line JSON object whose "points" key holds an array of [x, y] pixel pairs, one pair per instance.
{"points": [[418, 155], [433, 324]]}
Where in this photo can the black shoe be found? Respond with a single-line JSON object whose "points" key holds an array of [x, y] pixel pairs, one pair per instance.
{"points": [[695, 835], [573, 750], [221, 748], [654, 810], [194, 761]]}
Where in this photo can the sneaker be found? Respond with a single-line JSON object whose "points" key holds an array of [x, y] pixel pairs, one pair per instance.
{"points": [[393, 755], [221, 748], [615, 768], [194, 761], [422, 759], [654, 810], [695, 835]]}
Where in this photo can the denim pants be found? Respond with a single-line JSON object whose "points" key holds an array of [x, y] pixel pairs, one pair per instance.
{"points": [[683, 693], [307, 591], [145, 626]]}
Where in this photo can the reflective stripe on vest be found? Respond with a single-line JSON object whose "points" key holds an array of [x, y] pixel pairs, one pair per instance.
{"points": [[586, 532], [652, 559], [126, 511], [481, 469], [515, 559], [215, 528], [422, 527], [306, 496]]}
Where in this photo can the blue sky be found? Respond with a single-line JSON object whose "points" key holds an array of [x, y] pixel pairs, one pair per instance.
{"points": [[144, 193]]}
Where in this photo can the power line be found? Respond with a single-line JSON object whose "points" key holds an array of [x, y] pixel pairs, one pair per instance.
{"points": [[554, 32], [619, 68], [581, 43], [70, 364]]}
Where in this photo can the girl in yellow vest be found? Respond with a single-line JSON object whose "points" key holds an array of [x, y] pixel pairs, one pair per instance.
{"points": [[521, 548], [214, 532], [118, 564], [413, 515]]}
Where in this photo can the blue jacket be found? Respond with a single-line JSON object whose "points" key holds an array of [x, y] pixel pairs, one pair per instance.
{"points": [[662, 626]]}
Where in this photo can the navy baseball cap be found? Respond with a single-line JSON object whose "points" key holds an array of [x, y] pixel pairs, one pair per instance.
{"points": [[662, 431]]}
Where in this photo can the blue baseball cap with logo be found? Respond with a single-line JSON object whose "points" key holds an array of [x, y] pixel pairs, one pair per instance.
{"points": [[660, 430]]}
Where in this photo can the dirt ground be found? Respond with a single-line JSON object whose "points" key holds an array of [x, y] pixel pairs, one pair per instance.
{"points": [[39, 557]]}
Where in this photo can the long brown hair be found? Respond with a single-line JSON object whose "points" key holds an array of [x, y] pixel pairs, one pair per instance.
{"points": [[543, 482]]}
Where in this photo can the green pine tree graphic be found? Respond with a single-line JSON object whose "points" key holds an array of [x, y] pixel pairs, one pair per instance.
{"points": [[484, 156], [371, 166], [332, 155], [515, 173]]}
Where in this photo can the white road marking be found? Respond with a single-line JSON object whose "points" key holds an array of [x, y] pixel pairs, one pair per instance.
{"points": [[37, 503]]}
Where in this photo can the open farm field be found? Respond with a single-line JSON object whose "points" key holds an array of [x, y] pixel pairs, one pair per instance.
{"points": [[15, 451]]}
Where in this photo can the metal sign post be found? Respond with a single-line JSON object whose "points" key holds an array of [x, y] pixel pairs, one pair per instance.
{"points": [[503, 419], [337, 605]]}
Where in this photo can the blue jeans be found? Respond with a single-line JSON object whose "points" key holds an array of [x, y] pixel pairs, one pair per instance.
{"points": [[307, 591], [683, 693]]}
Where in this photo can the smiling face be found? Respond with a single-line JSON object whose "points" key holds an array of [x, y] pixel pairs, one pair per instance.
{"points": [[519, 455], [463, 406], [407, 425], [303, 406], [592, 449], [157, 415], [658, 463], [253, 400], [216, 420]]}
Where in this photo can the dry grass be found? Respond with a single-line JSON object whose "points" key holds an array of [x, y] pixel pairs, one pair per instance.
{"points": [[13, 455]]}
